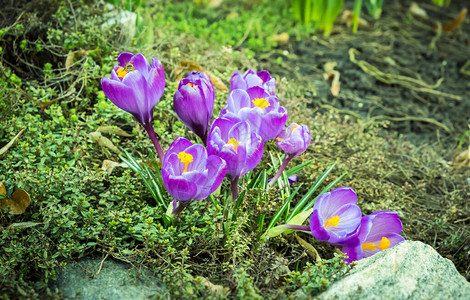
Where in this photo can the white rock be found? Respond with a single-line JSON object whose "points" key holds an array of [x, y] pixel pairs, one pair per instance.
{"points": [[410, 270]]}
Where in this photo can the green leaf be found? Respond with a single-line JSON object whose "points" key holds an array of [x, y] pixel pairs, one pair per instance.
{"points": [[326, 189], [281, 211], [298, 208], [275, 231], [299, 219], [298, 168]]}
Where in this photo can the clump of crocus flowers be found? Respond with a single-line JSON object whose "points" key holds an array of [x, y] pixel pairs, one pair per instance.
{"points": [[233, 145], [337, 219]]}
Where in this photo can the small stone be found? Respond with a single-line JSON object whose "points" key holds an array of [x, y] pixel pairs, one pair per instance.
{"points": [[115, 280]]}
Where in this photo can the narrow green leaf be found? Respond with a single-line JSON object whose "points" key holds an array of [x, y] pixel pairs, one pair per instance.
{"points": [[279, 213], [296, 169], [326, 189], [300, 218], [316, 184]]}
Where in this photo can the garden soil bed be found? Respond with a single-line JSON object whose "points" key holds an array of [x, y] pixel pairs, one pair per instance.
{"points": [[400, 70]]}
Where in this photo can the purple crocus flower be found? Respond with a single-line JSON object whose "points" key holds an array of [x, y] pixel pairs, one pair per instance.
{"points": [[135, 86], [336, 217], [188, 173], [263, 112], [378, 231], [194, 102], [251, 78], [236, 144], [294, 140]]}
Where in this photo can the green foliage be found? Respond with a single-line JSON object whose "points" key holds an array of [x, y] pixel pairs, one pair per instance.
{"points": [[316, 278], [441, 2], [374, 7], [322, 13], [250, 26]]}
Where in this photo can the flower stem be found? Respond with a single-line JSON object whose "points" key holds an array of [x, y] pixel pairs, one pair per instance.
{"points": [[279, 172], [234, 190], [181, 205], [153, 137], [297, 227]]}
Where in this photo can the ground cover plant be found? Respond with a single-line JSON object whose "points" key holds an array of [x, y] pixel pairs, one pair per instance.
{"points": [[390, 140]]}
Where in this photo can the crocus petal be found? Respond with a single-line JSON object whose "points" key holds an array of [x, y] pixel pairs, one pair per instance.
{"points": [[181, 189], [253, 80], [216, 172], [350, 217], [156, 82], [124, 58], [353, 252], [272, 125], [123, 96], [331, 201], [385, 221], [189, 106], [137, 82], [257, 92], [141, 64], [199, 154], [316, 226], [393, 238], [264, 76], [178, 145], [237, 81], [254, 157], [237, 100]]}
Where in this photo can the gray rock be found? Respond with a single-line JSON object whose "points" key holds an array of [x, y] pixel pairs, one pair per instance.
{"points": [[123, 19], [410, 270], [116, 280]]}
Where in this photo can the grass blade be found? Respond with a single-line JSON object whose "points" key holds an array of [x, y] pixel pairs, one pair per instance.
{"points": [[281, 211], [326, 189], [298, 168], [310, 192]]}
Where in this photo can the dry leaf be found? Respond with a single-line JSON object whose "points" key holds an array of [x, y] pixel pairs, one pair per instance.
{"points": [[23, 225], [462, 159], [104, 141], [281, 38], [415, 10], [456, 22], [18, 202], [5, 148], [3, 190], [187, 65], [218, 290], [109, 165], [308, 248], [347, 18], [332, 75], [208, 3], [75, 54], [113, 130]]}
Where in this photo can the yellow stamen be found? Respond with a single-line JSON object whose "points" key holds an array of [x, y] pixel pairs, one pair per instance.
{"points": [[384, 244], [192, 84], [279, 139], [261, 103], [185, 158], [234, 142], [332, 222], [121, 72], [292, 129]]}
